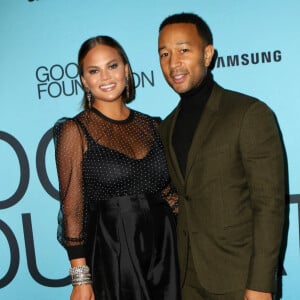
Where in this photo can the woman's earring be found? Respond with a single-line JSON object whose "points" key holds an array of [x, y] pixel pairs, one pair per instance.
{"points": [[127, 87], [89, 97]]}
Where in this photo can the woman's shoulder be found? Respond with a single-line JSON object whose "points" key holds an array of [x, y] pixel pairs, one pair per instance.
{"points": [[156, 119], [68, 124]]}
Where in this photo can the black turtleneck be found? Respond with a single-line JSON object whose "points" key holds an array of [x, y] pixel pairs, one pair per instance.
{"points": [[191, 107]]}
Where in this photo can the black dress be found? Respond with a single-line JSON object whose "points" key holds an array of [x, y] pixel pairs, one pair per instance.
{"points": [[114, 189]]}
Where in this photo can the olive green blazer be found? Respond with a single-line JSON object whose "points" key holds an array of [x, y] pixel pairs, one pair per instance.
{"points": [[231, 208]]}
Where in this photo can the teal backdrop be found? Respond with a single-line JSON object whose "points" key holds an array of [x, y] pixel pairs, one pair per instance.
{"points": [[258, 46]]}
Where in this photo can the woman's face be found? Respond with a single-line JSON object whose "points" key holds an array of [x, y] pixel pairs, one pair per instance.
{"points": [[104, 73]]}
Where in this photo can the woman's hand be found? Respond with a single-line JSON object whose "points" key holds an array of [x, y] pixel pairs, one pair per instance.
{"points": [[172, 198], [82, 292]]}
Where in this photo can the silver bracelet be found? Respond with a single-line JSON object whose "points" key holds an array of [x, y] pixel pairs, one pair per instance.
{"points": [[84, 269], [81, 282], [80, 275]]}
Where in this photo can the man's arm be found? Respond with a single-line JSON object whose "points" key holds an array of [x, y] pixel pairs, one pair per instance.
{"points": [[262, 155]]}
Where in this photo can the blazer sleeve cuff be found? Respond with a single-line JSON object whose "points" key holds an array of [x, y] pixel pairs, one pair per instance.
{"points": [[262, 275]]}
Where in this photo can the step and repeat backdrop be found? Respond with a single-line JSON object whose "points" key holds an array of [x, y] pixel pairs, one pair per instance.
{"points": [[258, 54]]}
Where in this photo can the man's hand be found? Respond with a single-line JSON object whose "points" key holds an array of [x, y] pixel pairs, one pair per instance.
{"points": [[254, 295]]}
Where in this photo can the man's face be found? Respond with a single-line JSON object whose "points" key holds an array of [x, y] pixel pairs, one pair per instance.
{"points": [[184, 56]]}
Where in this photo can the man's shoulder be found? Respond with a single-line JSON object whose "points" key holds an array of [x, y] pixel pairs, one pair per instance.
{"points": [[237, 105], [237, 99], [170, 115], [233, 95], [166, 122]]}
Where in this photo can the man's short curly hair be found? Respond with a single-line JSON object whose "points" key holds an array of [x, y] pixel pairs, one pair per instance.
{"points": [[202, 28]]}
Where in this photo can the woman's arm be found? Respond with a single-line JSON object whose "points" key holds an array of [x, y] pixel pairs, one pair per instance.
{"points": [[72, 233]]}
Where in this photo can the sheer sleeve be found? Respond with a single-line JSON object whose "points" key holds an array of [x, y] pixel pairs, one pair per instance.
{"points": [[72, 218], [169, 193]]}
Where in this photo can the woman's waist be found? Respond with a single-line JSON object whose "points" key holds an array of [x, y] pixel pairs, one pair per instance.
{"points": [[129, 202]]}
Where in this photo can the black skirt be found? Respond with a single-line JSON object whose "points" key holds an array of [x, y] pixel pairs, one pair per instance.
{"points": [[134, 254]]}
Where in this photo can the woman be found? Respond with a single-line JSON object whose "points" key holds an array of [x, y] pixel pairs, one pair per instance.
{"points": [[114, 221]]}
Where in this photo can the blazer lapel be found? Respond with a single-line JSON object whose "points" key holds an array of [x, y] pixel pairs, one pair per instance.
{"points": [[173, 156], [206, 123]]}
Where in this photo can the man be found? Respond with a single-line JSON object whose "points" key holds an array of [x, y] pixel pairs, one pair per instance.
{"points": [[225, 158]]}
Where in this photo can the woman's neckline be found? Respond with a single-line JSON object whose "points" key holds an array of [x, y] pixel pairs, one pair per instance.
{"points": [[127, 120]]}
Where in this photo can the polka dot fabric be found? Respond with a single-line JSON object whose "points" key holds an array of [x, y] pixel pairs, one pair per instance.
{"points": [[99, 158]]}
